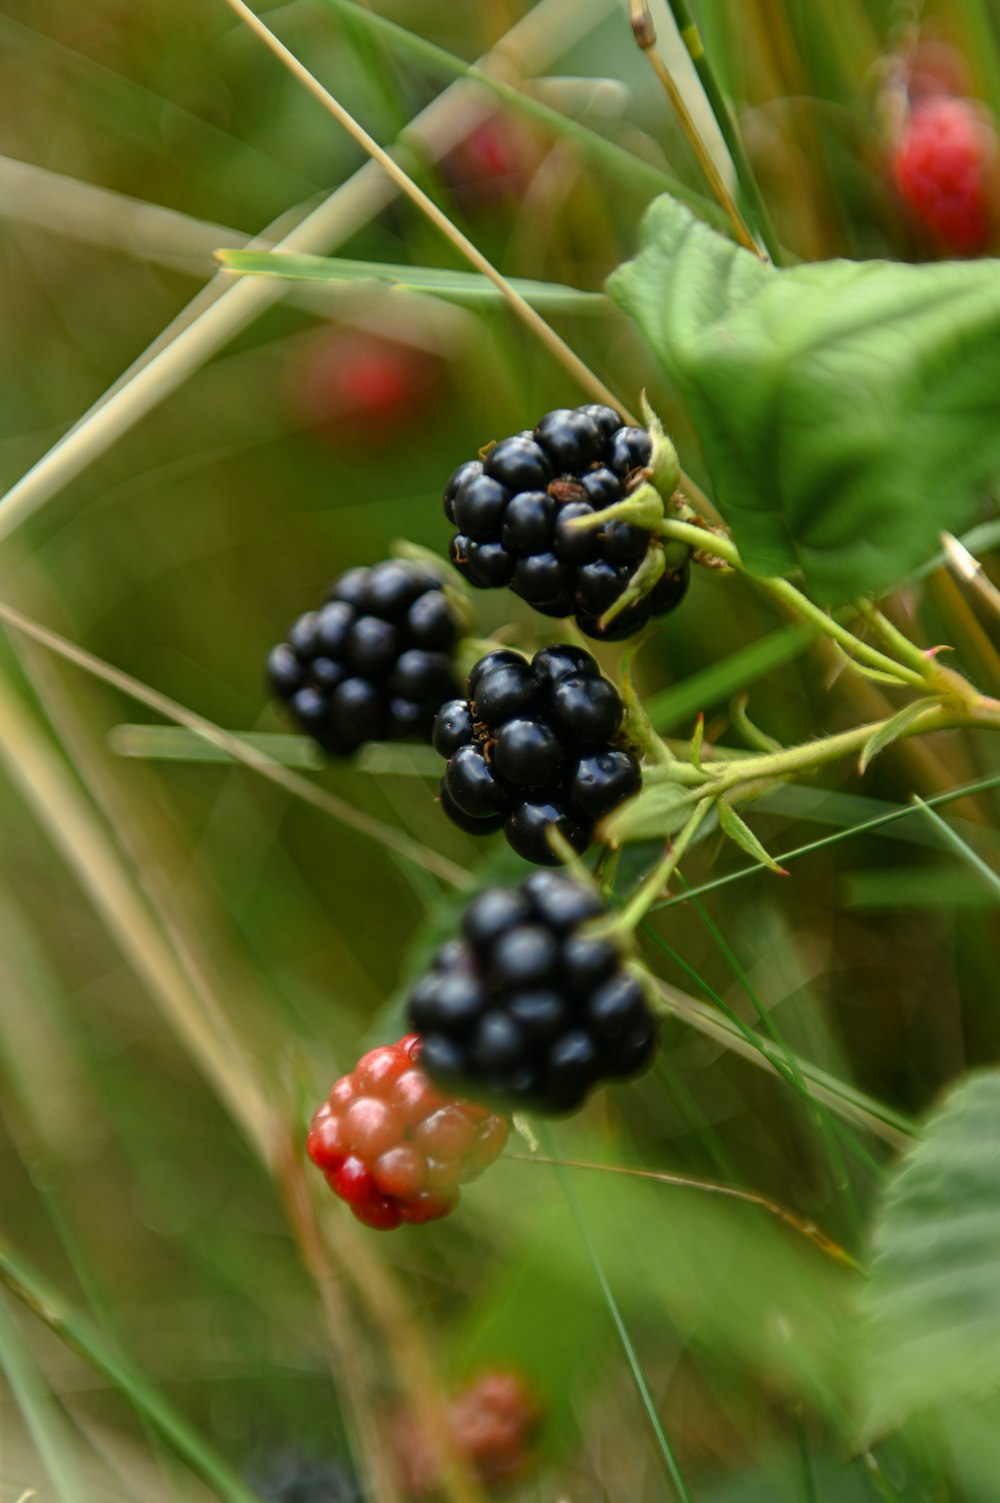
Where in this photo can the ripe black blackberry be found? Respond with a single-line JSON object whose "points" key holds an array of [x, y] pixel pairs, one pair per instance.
{"points": [[529, 1008], [512, 511], [373, 662], [531, 749]]}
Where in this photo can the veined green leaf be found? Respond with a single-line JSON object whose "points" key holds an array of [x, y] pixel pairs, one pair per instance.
{"points": [[457, 286], [848, 411], [933, 1302]]}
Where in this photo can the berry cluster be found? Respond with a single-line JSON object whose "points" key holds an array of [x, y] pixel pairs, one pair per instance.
{"points": [[530, 750], [393, 1147], [512, 512], [529, 1006], [490, 1425], [947, 169], [373, 662]]}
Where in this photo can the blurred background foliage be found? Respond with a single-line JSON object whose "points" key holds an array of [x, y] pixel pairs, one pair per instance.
{"points": [[189, 951]]}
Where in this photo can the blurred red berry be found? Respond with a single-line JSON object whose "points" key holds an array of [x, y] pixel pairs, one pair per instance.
{"points": [[491, 1424], [349, 385], [946, 167], [393, 1147], [492, 164]]}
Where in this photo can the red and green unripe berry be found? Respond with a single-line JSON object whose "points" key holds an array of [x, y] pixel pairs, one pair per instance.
{"points": [[532, 749], [531, 1008], [394, 1146], [513, 512], [374, 662]]}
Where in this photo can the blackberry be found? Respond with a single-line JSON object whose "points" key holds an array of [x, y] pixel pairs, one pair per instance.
{"points": [[547, 1008], [532, 749], [513, 513], [374, 662], [393, 1146]]}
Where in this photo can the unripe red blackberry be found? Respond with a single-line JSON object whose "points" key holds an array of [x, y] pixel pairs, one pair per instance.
{"points": [[531, 1007], [396, 1148], [532, 749], [373, 662], [513, 512], [491, 1424], [946, 166]]}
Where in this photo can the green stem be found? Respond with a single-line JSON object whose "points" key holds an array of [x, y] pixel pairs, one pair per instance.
{"points": [[935, 675], [754, 205], [724, 548], [714, 781], [639, 904]]}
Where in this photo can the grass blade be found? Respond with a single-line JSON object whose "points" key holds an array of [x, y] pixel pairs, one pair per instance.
{"points": [[44, 1422], [986, 785], [971, 857], [623, 164], [147, 1401], [241, 751], [631, 1357], [458, 286]]}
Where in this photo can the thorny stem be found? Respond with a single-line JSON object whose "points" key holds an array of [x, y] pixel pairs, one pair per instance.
{"points": [[921, 662], [928, 677], [748, 772]]}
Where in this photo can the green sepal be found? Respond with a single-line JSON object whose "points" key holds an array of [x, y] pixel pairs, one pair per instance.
{"points": [[892, 730], [742, 835], [654, 814], [664, 463]]}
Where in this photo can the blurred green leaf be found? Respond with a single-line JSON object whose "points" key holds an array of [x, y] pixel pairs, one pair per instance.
{"points": [[895, 888], [721, 679], [847, 411], [933, 1302]]}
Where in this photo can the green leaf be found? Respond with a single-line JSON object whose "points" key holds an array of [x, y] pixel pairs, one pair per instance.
{"points": [[891, 730], [457, 286], [741, 833], [847, 410], [659, 811], [933, 1301]]}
